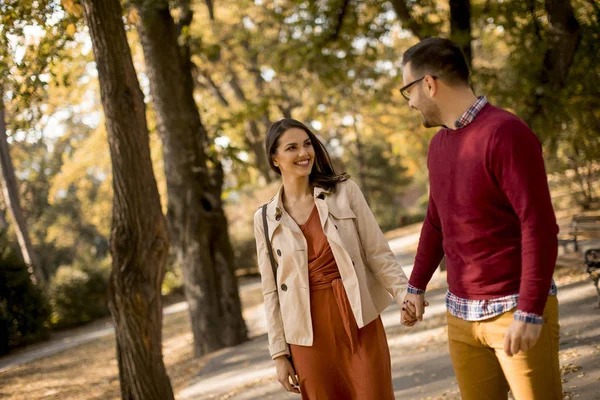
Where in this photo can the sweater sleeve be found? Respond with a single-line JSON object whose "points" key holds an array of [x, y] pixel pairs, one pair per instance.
{"points": [[430, 250], [516, 162]]}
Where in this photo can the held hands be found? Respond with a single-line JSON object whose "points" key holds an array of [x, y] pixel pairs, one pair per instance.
{"points": [[285, 372], [521, 336], [413, 309]]}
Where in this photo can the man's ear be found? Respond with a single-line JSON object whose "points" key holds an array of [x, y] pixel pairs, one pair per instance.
{"points": [[431, 86]]}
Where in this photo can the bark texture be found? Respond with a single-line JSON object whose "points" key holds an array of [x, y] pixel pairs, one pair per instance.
{"points": [[195, 212], [139, 235]]}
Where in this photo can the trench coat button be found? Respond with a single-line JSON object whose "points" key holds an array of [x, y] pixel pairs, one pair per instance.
{"points": [[278, 217], [321, 196], [284, 287], [279, 252]]}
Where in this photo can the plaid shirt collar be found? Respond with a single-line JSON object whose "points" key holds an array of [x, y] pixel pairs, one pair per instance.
{"points": [[471, 113]]}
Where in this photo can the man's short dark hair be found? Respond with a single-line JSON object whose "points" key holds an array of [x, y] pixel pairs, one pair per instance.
{"points": [[440, 57]]}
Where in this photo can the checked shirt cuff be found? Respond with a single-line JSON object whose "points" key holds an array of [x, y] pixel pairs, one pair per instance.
{"points": [[414, 290], [528, 317]]}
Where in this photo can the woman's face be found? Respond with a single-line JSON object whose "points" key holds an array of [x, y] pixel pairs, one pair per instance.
{"points": [[295, 155]]}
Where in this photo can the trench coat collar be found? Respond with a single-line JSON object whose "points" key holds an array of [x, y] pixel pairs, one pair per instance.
{"points": [[275, 208]]}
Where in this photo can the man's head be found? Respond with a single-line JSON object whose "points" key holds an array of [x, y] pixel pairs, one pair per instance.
{"points": [[434, 69]]}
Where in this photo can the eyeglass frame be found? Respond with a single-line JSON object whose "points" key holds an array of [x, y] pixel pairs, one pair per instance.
{"points": [[403, 88]]}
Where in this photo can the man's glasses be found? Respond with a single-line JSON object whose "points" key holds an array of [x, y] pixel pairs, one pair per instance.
{"points": [[404, 90]]}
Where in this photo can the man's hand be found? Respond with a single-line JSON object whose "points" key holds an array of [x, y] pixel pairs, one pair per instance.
{"points": [[408, 315], [521, 336], [415, 304], [285, 371]]}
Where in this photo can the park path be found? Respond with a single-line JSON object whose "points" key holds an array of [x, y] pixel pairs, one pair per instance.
{"points": [[420, 362]]}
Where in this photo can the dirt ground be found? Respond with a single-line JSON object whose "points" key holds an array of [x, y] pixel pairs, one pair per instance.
{"points": [[89, 371]]}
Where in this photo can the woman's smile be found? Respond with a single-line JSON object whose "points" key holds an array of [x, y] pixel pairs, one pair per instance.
{"points": [[303, 163]]}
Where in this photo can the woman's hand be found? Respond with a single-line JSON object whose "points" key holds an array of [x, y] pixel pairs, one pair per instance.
{"points": [[285, 371], [408, 315]]}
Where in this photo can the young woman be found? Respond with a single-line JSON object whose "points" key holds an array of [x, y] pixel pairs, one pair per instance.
{"points": [[335, 275]]}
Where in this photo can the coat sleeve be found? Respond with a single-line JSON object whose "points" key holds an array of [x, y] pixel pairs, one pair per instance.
{"points": [[380, 258], [277, 344]]}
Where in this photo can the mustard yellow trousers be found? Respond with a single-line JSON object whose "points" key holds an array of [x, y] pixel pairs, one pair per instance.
{"points": [[484, 372]]}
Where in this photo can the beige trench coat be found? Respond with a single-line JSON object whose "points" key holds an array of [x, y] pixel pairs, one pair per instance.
{"points": [[369, 270]]}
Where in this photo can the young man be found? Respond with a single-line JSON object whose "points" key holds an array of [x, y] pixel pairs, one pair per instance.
{"points": [[490, 213]]}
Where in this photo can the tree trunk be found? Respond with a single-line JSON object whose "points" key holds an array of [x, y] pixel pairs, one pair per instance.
{"points": [[196, 219], [460, 23], [563, 40], [139, 235], [254, 138], [10, 190], [460, 26], [3, 221]]}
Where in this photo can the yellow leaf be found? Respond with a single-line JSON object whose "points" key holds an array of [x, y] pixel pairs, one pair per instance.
{"points": [[71, 29], [133, 17], [72, 7]]}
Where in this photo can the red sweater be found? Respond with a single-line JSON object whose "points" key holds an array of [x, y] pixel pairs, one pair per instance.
{"points": [[489, 212]]}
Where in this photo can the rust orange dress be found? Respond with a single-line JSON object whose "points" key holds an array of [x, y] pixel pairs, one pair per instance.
{"points": [[344, 362]]}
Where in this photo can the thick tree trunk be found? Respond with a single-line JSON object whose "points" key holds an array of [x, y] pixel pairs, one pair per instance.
{"points": [[139, 237], [195, 214], [563, 40], [460, 26], [10, 190]]}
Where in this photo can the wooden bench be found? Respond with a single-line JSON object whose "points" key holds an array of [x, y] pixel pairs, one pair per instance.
{"points": [[587, 226]]}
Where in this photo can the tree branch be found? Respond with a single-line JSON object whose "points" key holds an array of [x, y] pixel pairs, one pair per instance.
{"points": [[234, 82], [340, 21], [404, 13], [212, 85], [211, 10], [531, 8]]}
